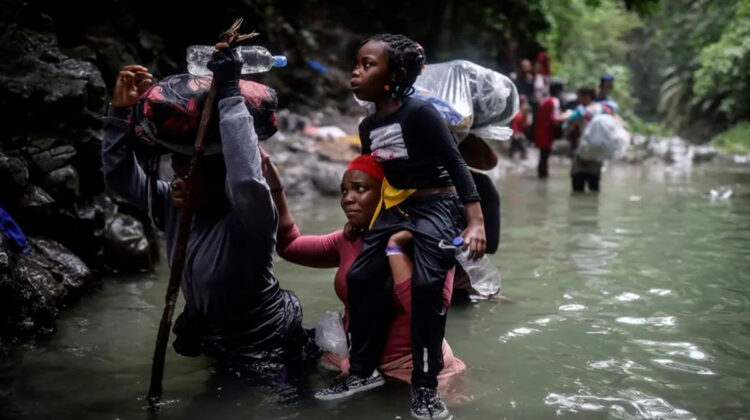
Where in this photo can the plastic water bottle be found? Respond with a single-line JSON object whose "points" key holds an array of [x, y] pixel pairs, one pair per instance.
{"points": [[484, 277], [255, 59]]}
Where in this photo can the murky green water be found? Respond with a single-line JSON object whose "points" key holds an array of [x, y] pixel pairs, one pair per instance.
{"points": [[631, 304]]}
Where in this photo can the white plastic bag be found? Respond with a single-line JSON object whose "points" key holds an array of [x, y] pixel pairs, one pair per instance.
{"points": [[602, 138], [471, 98], [330, 334]]}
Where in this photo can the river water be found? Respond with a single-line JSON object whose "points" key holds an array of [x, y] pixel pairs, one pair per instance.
{"points": [[631, 304]]}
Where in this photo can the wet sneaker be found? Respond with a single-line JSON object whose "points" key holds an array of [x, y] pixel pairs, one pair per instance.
{"points": [[350, 385], [426, 404]]}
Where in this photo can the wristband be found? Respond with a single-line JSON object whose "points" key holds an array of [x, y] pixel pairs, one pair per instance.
{"points": [[393, 250]]}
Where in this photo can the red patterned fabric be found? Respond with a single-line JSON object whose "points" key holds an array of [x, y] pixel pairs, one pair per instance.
{"points": [[169, 112]]}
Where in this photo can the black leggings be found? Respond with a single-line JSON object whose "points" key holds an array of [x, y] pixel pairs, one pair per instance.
{"points": [[543, 168], [580, 179], [370, 285]]}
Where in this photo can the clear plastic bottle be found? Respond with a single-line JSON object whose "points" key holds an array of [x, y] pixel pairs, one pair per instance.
{"points": [[255, 58], [484, 277]]}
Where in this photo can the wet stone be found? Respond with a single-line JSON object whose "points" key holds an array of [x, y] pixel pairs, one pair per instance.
{"points": [[53, 158], [126, 245], [62, 183]]}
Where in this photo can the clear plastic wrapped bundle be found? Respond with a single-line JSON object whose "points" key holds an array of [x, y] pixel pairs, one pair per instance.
{"points": [[603, 137], [471, 98]]}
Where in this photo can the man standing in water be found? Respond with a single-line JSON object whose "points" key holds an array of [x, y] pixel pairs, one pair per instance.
{"points": [[234, 308], [547, 121]]}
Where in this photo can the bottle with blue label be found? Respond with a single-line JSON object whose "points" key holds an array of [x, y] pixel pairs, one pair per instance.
{"points": [[255, 59], [484, 277]]}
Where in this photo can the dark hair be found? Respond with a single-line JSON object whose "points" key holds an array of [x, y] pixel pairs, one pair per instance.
{"points": [[587, 91], [402, 52], [556, 87]]}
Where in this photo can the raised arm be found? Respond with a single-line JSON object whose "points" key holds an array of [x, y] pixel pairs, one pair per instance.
{"points": [[320, 251], [246, 188], [122, 173]]}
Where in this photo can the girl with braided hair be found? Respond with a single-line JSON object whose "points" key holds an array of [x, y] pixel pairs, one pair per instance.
{"points": [[427, 191]]}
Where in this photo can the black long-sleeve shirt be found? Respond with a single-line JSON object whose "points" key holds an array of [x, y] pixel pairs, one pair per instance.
{"points": [[417, 150]]}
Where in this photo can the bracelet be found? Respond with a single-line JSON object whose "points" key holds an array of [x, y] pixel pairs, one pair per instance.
{"points": [[277, 190], [393, 250]]}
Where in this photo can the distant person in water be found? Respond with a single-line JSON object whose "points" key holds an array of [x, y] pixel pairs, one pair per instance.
{"points": [[520, 126], [360, 193], [234, 308], [547, 126], [606, 85]]}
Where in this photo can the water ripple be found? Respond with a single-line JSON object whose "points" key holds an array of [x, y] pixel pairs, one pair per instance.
{"points": [[658, 321], [683, 367], [627, 404], [669, 348]]}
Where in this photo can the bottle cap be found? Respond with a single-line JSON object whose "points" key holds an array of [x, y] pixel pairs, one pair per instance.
{"points": [[458, 241], [279, 61]]}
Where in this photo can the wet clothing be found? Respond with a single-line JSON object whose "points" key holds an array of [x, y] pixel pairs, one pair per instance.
{"points": [[333, 250], [416, 150], [233, 304], [520, 127], [542, 168], [431, 219], [585, 172], [545, 131], [490, 209]]}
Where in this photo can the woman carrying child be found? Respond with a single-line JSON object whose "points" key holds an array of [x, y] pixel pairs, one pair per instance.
{"points": [[427, 191]]}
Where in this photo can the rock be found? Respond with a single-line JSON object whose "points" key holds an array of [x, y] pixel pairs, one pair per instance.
{"points": [[56, 157], [66, 268], [326, 177], [14, 177], [62, 183], [36, 197], [35, 286], [39, 294], [126, 246], [704, 153]]}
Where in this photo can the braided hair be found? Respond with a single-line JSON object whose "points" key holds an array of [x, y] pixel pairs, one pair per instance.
{"points": [[402, 52]]}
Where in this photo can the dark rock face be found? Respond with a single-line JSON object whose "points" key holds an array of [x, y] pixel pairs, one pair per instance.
{"points": [[35, 286], [51, 181]]}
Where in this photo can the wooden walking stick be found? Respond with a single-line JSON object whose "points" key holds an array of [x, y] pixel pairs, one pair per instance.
{"points": [[231, 36]]}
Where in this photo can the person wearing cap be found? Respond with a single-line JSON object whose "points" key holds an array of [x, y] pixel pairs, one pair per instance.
{"points": [[360, 193], [234, 309], [606, 85]]}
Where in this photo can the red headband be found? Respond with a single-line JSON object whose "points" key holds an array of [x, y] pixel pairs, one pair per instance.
{"points": [[368, 165]]}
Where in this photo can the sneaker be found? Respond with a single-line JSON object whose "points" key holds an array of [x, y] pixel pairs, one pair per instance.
{"points": [[350, 385], [426, 404]]}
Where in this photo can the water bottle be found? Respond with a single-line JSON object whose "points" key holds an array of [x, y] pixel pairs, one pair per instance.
{"points": [[484, 277], [255, 59]]}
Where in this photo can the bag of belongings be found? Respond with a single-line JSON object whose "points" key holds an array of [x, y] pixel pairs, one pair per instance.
{"points": [[602, 138], [471, 98], [167, 115]]}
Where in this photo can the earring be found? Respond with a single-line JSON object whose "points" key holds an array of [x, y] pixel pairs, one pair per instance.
{"points": [[394, 95], [387, 87]]}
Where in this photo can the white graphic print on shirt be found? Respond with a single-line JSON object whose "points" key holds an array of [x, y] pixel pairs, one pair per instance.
{"points": [[387, 143]]}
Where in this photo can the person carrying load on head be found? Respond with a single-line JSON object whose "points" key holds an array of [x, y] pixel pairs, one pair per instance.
{"points": [[234, 309]]}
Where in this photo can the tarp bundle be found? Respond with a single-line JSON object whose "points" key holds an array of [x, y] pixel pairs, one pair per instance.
{"points": [[603, 137], [471, 98], [168, 114]]}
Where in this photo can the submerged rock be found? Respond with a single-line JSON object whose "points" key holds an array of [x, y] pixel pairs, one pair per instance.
{"points": [[126, 246]]}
